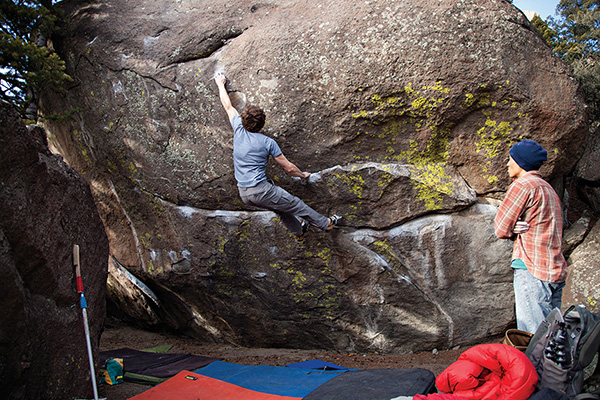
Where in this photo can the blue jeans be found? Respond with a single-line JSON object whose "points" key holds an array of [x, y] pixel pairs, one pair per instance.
{"points": [[534, 299]]}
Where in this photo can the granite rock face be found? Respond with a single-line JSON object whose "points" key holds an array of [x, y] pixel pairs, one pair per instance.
{"points": [[403, 111], [588, 172], [46, 207], [583, 281]]}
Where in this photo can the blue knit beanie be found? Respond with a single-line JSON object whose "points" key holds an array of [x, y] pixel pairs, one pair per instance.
{"points": [[528, 154]]}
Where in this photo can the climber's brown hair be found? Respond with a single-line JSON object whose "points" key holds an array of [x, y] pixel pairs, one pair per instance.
{"points": [[253, 118]]}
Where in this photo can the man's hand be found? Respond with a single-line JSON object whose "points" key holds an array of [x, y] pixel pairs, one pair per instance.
{"points": [[520, 227], [302, 178], [220, 79]]}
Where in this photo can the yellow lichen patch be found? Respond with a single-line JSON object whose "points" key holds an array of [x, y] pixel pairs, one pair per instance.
{"points": [[243, 233], [469, 99], [82, 148], [438, 88], [298, 278], [419, 102], [325, 255], [132, 168], [432, 183], [384, 181], [491, 137], [221, 244], [436, 151], [384, 249], [355, 182], [329, 300], [153, 269], [361, 114], [351, 216], [593, 304], [413, 110]]}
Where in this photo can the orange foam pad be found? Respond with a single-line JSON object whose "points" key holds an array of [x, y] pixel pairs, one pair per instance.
{"points": [[190, 386]]}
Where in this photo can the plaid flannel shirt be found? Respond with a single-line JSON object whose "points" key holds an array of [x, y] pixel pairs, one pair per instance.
{"points": [[532, 199]]}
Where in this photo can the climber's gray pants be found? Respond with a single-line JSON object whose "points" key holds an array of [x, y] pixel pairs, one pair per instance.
{"points": [[286, 206]]}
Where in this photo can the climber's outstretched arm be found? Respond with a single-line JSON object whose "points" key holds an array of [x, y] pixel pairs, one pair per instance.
{"points": [[220, 79]]}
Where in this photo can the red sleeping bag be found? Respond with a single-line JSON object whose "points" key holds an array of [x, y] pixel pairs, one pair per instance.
{"points": [[490, 372]]}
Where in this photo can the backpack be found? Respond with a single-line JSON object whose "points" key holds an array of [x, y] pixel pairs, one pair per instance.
{"points": [[562, 346]]}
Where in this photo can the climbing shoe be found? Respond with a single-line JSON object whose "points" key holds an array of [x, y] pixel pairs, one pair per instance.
{"points": [[333, 221], [304, 233]]}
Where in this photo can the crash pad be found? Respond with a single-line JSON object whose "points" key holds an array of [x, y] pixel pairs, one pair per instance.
{"points": [[147, 367], [188, 385], [375, 384], [318, 364], [283, 381]]}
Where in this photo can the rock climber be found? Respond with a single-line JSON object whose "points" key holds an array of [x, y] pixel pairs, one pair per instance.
{"points": [[251, 152]]}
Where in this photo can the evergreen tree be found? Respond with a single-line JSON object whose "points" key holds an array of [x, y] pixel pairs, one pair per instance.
{"points": [[575, 37], [578, 29], [26, 64], [549, 34]]}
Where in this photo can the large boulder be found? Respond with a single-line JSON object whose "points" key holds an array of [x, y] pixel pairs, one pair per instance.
{"points": [[402, 111], [583, 280], [437, 281], [45, 209], [588, 173]]}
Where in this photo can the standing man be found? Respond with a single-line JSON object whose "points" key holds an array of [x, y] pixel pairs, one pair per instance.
{"points": [[530, 215], [251, 151]]}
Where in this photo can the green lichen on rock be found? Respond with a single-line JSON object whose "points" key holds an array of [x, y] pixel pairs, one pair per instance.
{"points": [[428, 171], [325, 255], [354, 181], [432, 182], [492, 137], [408, 111], [83, 150], [592, 304]]}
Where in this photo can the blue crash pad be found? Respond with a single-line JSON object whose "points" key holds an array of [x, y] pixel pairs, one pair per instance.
{"points": [[282, 381], [318, 364]]}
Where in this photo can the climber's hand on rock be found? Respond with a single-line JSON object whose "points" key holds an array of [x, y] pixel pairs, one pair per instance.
{"points": [[220, 78]]}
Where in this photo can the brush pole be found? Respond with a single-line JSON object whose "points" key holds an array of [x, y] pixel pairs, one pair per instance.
{"points": [[83, 305]]}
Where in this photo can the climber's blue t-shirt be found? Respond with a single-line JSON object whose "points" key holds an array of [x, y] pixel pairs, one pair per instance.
{"points": [[251, 153]]}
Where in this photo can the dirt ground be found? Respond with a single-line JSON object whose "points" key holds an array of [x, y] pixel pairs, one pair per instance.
{"points": [[118, 335]]}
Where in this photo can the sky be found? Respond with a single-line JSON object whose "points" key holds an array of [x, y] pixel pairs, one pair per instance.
{"points": [[544, 8]]}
